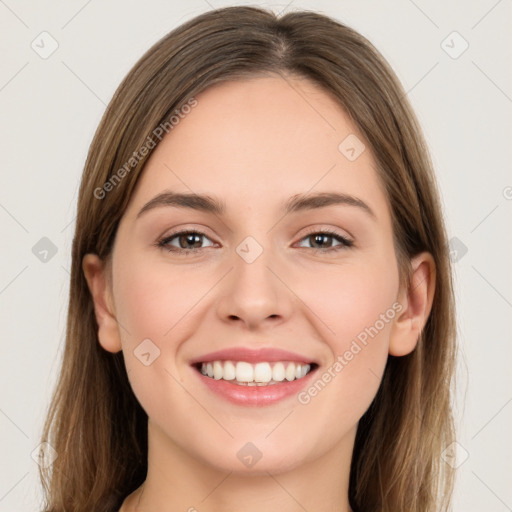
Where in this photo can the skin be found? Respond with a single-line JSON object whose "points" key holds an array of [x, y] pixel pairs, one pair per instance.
{"points": [[254, 144]]}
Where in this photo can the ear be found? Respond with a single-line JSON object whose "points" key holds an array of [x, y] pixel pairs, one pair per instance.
{"points": [[99, 285], [416, 304]]}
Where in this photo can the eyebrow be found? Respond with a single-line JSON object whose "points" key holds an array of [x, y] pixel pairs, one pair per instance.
{"points": [[298, 202]]}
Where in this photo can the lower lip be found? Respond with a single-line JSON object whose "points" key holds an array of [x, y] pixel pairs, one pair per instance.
{"points": [[255, 396]]}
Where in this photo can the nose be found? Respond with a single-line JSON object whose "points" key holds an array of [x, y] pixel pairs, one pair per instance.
{"points": [[254, 294]]}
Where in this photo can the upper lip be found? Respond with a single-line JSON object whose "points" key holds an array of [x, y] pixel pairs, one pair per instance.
{"points": [[252, 355]]}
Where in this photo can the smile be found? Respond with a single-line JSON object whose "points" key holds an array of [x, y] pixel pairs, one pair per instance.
{"points": [[254, 377], [260, 374]]}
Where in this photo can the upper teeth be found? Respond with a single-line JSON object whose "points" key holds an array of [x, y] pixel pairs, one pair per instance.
{"points": [[261, 373]]}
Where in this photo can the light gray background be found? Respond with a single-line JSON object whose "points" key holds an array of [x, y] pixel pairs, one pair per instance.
{"points": [[50, 109]]}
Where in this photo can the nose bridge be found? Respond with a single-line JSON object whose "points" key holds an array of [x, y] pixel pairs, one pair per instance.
{"points": [[253, 293]]}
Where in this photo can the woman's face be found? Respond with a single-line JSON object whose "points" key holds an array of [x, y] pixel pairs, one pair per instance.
{"points": [[292, 264]]}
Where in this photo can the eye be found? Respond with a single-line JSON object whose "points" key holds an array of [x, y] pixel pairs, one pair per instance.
{"points": [[325, 241], [184, 241], [191, 241]]}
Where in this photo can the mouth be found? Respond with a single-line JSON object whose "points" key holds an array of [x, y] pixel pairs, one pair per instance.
{"points": [[261, 374], [254, 377]]}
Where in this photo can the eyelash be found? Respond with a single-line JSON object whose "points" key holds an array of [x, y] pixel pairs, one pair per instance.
{"points": [[345, 243]]}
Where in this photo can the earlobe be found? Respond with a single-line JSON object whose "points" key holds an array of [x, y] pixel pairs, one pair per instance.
{"points": [[99, 286], [416, 304]]}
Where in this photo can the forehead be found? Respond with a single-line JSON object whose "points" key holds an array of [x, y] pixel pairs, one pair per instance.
{"points": [[262, 140]]}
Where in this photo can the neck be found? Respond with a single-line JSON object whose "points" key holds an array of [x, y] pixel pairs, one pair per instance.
{"points": [[178, 481]]}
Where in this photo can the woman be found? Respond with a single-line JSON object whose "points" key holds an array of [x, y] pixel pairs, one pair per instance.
{"points": [[261, 310]]}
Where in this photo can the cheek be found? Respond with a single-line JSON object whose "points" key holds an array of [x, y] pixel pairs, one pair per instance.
{"points": [[154, 306], [355, 309], [158, 308], [153, 299], [352, 301]]}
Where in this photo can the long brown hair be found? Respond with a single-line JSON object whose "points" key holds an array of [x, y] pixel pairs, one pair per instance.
{"points": [[95, 422]]}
